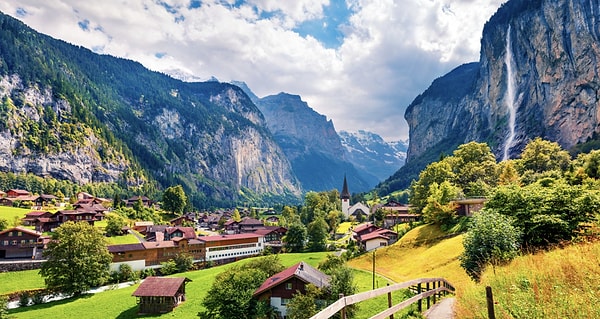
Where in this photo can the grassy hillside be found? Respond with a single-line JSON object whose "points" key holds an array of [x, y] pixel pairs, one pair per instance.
{"points": [[562, 283], [419, 253]]}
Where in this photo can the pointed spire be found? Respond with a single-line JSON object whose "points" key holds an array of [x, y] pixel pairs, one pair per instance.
{"points": [[345, 193]]}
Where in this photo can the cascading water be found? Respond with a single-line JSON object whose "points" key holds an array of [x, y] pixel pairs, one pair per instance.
{"points": [[510, 97]]}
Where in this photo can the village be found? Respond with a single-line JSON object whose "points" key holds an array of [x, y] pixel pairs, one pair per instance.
{"points": [[210, 238]]}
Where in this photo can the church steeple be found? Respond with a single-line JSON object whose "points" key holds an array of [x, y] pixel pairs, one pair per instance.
{"points": [[345, 193], [345, 196]]}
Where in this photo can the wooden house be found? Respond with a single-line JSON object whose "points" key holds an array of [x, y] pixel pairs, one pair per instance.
{"points": [[13, 193], [18, 242], [248, 225], [160, 294], [280, 288], [379, 238], [145, 201], [45, 200]]}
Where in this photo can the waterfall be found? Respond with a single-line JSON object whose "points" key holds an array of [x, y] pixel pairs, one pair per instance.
{"points": [[509, 97]]}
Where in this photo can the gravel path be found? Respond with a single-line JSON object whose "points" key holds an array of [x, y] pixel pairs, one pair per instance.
{"points": [[441, 310]]}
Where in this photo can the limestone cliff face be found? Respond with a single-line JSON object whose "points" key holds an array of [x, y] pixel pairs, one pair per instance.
{"points": [[83, 160], [550, 51], [311, 144]]}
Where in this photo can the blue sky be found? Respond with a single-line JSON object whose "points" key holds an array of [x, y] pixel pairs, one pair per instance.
{"points": [[359, 62]]}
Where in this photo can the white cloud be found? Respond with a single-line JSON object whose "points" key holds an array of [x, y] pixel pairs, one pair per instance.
{"points": [[391, 53]]}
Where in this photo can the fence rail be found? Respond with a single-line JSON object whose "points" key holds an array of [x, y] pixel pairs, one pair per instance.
{"points": [[429, 291]]}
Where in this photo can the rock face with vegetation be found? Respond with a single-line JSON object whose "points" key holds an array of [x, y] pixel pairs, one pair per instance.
{"points": [[538, 58], [552, 52], [70, 113]]}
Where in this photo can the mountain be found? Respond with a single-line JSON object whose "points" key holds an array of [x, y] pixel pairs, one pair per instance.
{"points": [[72, 114], [538, 75], [310, 142], [373, 156]]}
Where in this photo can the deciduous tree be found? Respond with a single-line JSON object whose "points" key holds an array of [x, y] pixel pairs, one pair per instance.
{"points": [[295, 237], [174, 199], [77, 259]]}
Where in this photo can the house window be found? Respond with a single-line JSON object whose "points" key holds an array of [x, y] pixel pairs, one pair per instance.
{"points": [[284, 301], [288, 286], [23, 241], [10, 234], [14, 243], [19, 234], [6, 243]]}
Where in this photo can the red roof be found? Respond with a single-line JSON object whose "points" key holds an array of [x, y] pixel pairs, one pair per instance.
{"points": [[229, 237], [302, 271], [36, 213], [159, 287], [250, 221], [380, 233], [188, 232], [362, 227], [21, 229]]}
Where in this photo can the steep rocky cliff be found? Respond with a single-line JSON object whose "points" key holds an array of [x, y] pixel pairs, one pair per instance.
{"points": [[70, 113], [311, 143], [539, 59]]}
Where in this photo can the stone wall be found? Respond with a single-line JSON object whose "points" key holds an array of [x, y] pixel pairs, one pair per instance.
{"points": [[6, 266]]}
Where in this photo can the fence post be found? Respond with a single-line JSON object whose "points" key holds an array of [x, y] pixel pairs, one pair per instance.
{"points": [[436, 284], [428, 298], [390, 301], [343, 311], [420, 302], [490, 302]]}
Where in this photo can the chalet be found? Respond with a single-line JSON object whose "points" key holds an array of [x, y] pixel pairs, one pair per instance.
{"points": [[13, 193], [180, 232], [182, 221], [2, 194], [142, 225], [363, 229], [273, 219], [393, 219], [231, 226], [379, 238], [145, 201], [468, 206], [31, 218], [280, 288], [272, 236], [160, 294], [45, 200], [63, 216], [369, 236], [248, 225], [14, 196], [84, 195], [18, 242]]}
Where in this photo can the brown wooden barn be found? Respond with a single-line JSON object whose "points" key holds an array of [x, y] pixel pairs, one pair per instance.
{"points": [[160, 294]]}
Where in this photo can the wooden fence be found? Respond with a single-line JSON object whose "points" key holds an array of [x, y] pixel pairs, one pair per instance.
{"points": [[426, 288]]}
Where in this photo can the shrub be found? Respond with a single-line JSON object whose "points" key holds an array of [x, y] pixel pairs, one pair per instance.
{"points": [[491, 239], [168, 267]]}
